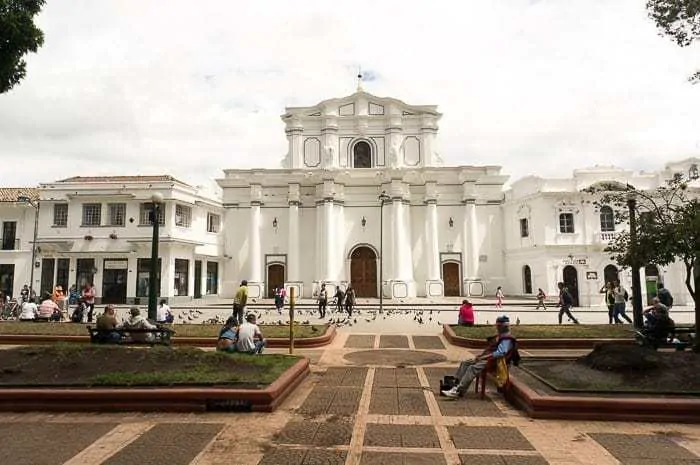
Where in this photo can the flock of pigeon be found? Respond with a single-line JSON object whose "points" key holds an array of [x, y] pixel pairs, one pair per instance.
{"points": [[305, 316]]}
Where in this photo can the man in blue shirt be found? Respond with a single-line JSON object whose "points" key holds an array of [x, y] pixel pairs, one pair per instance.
{"points": [[470, 369]]}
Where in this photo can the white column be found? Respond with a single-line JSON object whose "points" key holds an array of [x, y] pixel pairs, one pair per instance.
{"points": [[329, 240], [432, 249], [255, 279], [293, 244], [403, 284], [397, 247], [471, 239]]}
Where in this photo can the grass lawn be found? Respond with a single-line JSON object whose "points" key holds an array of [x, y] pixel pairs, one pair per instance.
{"points": [[78, 364], [550, 331], [181, 330]]}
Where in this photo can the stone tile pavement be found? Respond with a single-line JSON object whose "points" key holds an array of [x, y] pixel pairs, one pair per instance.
{"points": [[362, 413]]}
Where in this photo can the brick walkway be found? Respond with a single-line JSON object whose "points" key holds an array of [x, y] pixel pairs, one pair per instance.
{"points": [[372, 412]]}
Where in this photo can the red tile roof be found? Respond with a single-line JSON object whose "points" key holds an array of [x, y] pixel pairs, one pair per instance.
{"points": [[12, 194], [112, 179]]}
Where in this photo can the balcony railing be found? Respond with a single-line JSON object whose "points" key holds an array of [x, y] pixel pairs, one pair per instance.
{"points": [[606, 237], [9, 244]]}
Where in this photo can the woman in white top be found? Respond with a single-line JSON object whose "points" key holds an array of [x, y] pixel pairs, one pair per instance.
{"points": [[28, 311], [163, 314]]}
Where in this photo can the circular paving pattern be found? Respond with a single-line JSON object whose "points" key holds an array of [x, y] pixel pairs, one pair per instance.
{"points": [[394, 357]]}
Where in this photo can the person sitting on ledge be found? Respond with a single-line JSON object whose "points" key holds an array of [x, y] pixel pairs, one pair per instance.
{"points": [[107, 322], [250, 339], [28, 310], [48, 309], [137, 321], [228, 336], [466, 314], [504, 347]]}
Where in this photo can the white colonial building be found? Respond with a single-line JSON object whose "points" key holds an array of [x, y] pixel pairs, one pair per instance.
{"points": [[362, 199], [99, 230]]}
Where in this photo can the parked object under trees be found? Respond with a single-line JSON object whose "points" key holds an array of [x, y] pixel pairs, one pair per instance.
{"points": [[668, 229]]}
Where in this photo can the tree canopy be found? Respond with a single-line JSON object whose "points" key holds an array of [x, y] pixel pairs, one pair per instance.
{"points": [[18, 36], [679, 20], [667, 230]]}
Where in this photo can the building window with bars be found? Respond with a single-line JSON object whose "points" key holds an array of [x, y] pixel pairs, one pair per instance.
{"points": [[92, 214], [566, 223], [60, 215], [183, 216], [146, 214], [117, 214], [213, 223]]}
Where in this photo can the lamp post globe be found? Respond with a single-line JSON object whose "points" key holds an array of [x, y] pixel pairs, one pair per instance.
{"points": [[157, 197]]}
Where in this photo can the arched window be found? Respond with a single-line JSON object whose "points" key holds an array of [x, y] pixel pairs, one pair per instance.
{"points": [[527, 280], [607, 219], [362, 155]]}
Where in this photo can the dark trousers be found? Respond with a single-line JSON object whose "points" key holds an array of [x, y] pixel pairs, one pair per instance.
{"points": [[238, 313], [322, 306], [91, 309], [619, 311], [611, 313], [348, 308], [566, 310]]}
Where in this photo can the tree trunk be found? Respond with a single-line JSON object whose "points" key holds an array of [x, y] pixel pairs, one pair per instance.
{"points": [[696, 297]]}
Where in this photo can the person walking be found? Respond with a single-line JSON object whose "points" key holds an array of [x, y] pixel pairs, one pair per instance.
{"points": [[239, 301], [322, 301], [566, 300], [608, 290], [540, 299], [349, 300], [339, 299], [280, 294], [499, 298], [621, 296]]}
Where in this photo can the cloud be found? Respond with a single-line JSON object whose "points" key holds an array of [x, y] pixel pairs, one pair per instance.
{"points": [[125, 87]]}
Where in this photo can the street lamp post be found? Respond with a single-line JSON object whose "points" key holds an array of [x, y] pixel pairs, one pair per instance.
{"points": [[25, 199], [636, 279], [383, 197], [157, 200]]}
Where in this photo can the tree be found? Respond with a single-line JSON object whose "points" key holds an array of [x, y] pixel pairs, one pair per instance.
{"points": [[668, 229], [678, 19], [18, 36]]}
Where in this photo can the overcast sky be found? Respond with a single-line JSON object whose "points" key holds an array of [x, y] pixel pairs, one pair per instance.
{"points": [[190, 88]]}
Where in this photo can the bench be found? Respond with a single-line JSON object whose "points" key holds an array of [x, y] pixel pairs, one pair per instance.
{"points": [[161, 336], [674, 333]]}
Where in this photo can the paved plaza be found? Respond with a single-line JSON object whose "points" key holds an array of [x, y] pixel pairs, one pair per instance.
{"points": [[371, 399]]}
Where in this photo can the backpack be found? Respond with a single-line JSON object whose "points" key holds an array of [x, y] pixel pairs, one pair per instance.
{"points": [[77, 316]]}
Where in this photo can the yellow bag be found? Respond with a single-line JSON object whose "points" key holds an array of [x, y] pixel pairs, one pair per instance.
{"points": [[501, 372]]}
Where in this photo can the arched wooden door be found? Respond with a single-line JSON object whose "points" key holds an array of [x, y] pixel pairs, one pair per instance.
{"points": [[275, 278], [363, 272], [571, 282], [611, 274], [451, 279]]}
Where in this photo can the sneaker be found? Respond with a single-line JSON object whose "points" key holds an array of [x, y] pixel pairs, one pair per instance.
{"points": [[452, 393]]}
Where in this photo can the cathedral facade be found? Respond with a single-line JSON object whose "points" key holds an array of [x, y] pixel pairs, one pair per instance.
{"points": [[363, 199]]}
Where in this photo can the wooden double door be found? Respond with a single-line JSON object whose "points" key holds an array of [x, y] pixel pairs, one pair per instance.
{"points": [[451, 279], [363, 272]]}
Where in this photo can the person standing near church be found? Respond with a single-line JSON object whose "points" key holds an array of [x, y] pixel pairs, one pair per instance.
{"points": [[322, 301], [89, 299], [239, 302], [349, 300], [339, 298]]}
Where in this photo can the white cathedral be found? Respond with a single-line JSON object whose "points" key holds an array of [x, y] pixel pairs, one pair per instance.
{"points": [[362, 199]]}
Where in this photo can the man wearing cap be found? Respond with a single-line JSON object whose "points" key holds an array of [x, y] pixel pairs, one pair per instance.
{"points": [[499, 351]]}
